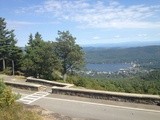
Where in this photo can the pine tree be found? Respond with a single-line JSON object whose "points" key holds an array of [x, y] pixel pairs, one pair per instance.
{"points": [[40, 60], [30, 39], [69, 53], [8, 49]]}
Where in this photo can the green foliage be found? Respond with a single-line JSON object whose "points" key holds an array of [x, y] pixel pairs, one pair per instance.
{"points": [[84, 82], [39, 60], [18, 112], [153, 75], [2, 86], [8, 49], [9, 109], [69, 53], [7, 98], [148, 84], [56, 75], [46, 59], [7, 71]]}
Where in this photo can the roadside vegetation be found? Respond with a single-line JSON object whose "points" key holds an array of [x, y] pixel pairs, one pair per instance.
{"points": [[146, 84], [10, 109]]}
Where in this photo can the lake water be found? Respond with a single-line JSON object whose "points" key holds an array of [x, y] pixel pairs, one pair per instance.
{"points": [[107, 67]]}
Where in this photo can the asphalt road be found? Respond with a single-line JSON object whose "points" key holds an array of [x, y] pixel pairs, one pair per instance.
{"points": [[91, 110], [88, 110]]}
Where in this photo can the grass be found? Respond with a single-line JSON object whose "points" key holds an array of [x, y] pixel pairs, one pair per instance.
{"points": [[20, 77], [18, 112], [3, 75]]}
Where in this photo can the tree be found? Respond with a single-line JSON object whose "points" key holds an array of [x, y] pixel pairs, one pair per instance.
{"points": [[4, 40], [39, 60], [69, 53], [8, 49], [30, 39]]}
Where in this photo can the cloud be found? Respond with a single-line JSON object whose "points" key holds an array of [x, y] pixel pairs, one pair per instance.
{"points": [[22, 24], [117, 36], [142, 35], [18, 24], [98, 14], [96, 38]]}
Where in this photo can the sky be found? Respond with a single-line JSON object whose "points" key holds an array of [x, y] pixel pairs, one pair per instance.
{"points": [[90, 21]]}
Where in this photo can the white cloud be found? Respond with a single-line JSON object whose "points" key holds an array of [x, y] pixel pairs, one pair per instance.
{"points": [[117, 36], [18, 24], [98, 14], [142, 35], [96, 38], [21, 24]]}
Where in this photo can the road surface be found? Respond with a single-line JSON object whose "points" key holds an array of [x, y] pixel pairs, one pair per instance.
{"points": [[98, 111], [82, 108]]}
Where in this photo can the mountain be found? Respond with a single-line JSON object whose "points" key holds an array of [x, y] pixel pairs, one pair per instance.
{"points": [[123, 44], [147, 55]]}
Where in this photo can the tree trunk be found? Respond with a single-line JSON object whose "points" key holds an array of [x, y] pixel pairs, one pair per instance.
{"points": [[64, 73], [13, 67], [4, 66], [64, 77]]}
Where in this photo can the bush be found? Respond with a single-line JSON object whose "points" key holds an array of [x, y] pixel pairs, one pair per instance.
{"points": [[7, 71], [7, 98], [149, 84], [2, 86], [129, 85], [10, 110], [18, 112], [81, 82]]}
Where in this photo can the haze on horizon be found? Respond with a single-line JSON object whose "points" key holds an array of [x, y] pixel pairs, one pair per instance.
{"points": [[90, 21]]}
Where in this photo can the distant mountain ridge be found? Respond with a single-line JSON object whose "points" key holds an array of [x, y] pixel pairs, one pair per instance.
{"points": [[147, 55], [123, 44]]}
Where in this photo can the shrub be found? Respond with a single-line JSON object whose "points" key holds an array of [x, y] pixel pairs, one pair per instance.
{"points": [[7, 71], [10, 110], [18, 112]]}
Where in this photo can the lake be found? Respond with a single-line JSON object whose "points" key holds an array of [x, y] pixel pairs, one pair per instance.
{"points": [[107, 67]]}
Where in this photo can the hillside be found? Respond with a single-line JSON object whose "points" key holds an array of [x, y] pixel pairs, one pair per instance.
{"points": [[146, 56]]}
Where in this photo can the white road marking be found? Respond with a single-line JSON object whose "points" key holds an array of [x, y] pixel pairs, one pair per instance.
{"points": [[113, 106], [33, 97]]}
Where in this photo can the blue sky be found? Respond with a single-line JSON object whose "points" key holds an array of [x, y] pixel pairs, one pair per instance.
{"points": [[90, 21]]}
